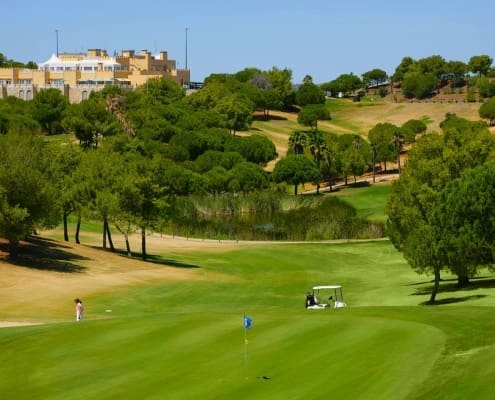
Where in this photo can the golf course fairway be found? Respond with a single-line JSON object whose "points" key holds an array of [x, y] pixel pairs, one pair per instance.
{"points": [[173, 328]]}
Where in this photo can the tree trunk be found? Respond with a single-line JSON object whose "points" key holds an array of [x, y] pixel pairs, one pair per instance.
{"points": [[329, 172], [143, 243], [112, 248], [374, 163], [295, 189], [126, 237], [436, 285], [105, 233], [66, 231], [317, 162], [127, 245], [462, 281], [13, 249], [78, 228], [266, 113]]}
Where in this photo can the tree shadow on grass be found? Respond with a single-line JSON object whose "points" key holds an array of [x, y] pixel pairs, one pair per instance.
{"points": [[169, 263], [451, 286], [155, 259], [262, 117], [359, 184], [45, 254], [453, 300]]}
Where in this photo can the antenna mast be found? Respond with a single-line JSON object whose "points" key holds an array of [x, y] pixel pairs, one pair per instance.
{"points": [[186, 46], [56, 36]]}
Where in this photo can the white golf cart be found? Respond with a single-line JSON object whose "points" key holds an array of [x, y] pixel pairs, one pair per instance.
{"points": [[335, 299]]}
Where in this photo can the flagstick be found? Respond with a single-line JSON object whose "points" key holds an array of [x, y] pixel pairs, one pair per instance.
{"points": [[245, 347]]}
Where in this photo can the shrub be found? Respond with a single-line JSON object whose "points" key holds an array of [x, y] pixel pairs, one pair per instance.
{"points": [[471, 96], [418, 85]]}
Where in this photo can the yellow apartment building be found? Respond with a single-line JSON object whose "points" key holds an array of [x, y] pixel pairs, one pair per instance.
{"points": [[78, 74]]}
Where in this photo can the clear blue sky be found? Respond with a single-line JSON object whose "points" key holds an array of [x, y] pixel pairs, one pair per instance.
{"points": [[321, 38]]}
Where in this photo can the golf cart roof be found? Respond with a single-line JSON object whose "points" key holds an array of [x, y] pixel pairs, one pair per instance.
{"points": [[327, 287]]}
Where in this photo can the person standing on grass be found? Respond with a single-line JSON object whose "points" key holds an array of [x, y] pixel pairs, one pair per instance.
{"points": [[79, 309]]}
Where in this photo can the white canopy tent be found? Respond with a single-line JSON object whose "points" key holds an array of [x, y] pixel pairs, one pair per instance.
{"points": [[52, 62], [55, 63]]}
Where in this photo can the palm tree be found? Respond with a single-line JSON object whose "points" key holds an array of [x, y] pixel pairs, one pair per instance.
{"points": [[298, 141], [398, 142], [317, 146], [328, 158]]}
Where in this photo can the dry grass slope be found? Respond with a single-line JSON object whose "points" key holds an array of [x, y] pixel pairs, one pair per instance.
{"points": [[53, 273], [359, 118]]}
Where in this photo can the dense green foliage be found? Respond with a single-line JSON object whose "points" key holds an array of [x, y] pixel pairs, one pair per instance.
{"points": [[465, 220], [191, 142], [139, 154], [344, 84], [381, 138], [309, 93], [484, 85], [411, 129], [420, 77], [311, 114], [374, 77], [419, 85], [295, 170], [480, 64], [16, 116], [435, 161], [48, 107], [143, 152], [10, 63], [27, 198], [90, 122], [487, 111]]}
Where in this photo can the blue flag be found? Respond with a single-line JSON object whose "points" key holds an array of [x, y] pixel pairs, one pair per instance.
{"points": [[248, 322]]}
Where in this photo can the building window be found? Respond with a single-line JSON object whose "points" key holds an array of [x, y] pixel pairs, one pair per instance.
{"points": [[85, 95], [21, 94], [29, 95]]}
